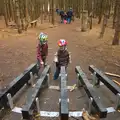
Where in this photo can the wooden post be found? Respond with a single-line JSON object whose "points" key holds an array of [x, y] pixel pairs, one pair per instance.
{"points": [[84, 21]]}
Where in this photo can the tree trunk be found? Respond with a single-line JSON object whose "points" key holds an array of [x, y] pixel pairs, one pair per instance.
{"points": [[12, 9], [45, 9], [105, 19], [26, 15], [8, 11], [94, 8], [5, 14], [21, 14], [114, 16], [1, 8], [101, 11], [41, 13], [109, 11], [82, 20], [90, 20], [18, 17], [53, 16], [117, 27], [90, 12], [84, 15], [33, 11]]}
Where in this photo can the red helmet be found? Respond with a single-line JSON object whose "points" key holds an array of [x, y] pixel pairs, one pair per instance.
{"points": [[62, 42]]}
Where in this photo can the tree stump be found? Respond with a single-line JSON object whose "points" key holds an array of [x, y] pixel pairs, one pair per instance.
{"points": [[84, 21]]}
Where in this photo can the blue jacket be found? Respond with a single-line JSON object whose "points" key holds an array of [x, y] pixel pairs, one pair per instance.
{"points": [[70, 13]]}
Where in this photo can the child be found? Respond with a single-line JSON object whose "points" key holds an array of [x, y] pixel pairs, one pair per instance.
{"points": [[70, 15], [57, 11], [65, 18], [62, 15], [62, 57], [42, 50]]}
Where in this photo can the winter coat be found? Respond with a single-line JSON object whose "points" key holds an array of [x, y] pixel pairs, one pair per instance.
{"points": [[63, 58], [42, 51]]}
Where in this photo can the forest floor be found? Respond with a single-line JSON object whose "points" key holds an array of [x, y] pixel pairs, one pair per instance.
{"points": [[17, 52]]}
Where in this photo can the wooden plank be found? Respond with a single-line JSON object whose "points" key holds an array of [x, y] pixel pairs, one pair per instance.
{"points": [[34, 21], [107, 81], [33, 93], [91, 92], [64, 111], [17, 84], [116, 82], [111, 74]]}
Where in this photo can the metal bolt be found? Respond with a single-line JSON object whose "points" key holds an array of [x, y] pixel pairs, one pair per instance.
{"points": [[37, 105], [117, 100], [10, 100], [31, 78], [90, 104]]}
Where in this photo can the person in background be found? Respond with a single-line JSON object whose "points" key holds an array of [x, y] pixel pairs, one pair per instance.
{"points": [[57, 11], [65, 18], [62, 15], [42, 50], [70, 15], [62, 57]]}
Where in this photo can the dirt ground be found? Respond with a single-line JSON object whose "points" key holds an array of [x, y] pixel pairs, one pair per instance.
{"points": [[17, 52]]}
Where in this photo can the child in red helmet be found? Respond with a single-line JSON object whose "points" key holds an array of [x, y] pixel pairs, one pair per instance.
{"points": [[62, 57]]}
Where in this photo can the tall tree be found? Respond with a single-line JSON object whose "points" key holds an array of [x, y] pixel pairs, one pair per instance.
{"points": [[26, 15], [5, 13], [114, 15], [105, 18], [90, 12], [82, 19], [12, 9], [53, 14], [18, 16], [100, 11], [117, 26]]}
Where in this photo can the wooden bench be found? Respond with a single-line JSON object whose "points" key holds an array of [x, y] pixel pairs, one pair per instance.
{"points": [[64, 104], [16, 85], [104, 79], [28, 108], [33, 23], [94, 98]]}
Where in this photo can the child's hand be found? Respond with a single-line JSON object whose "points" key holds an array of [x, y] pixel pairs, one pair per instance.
{"points": [[42, 63], [55, 58]]}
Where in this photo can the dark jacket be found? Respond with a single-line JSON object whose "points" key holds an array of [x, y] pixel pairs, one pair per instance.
{"points": [[57, 10], [69, 14], [63, 58], [42, 51], [65, 16], [62, 13]]}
